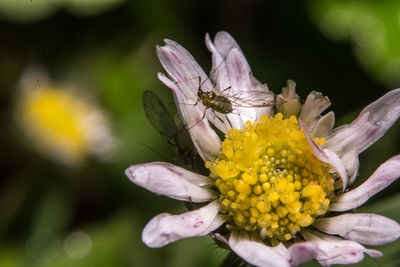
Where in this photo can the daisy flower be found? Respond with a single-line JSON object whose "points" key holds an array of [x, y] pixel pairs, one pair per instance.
{"points": [[277, 190], [60, 122]]}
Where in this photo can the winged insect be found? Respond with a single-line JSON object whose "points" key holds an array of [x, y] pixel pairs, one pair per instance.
{"points": [[225, 102], [161, 119]]}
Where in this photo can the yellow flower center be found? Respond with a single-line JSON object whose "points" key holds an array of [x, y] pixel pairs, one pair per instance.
{"points": [[269, 179]]}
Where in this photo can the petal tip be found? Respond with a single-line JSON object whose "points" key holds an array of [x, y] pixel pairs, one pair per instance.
{"points": [[151, 235], [130, 172]]}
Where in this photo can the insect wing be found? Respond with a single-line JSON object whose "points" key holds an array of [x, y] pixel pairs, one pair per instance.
{"points": [[252, 99], [158, 114]]}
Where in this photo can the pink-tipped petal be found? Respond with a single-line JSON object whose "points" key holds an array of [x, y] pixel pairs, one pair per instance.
{"points": [[219, 75], [187, 76], [255, 252], [172, 181], [238, 71], [225, 64], [302, 252], [166, 228], [370, 229], [374, 253], [370, 125], [333, 250], [232, 76], [326, 155], [224, 43], [250, 97], [380, 179], [183, 69], [218, 72], [204, 138]]}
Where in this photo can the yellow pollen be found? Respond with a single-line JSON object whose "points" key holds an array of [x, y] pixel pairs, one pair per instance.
{"points": [[269, 179]]}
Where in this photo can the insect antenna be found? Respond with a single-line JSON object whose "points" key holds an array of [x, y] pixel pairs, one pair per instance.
{"points": [[376, 261], [154, 151], [212, 72]]}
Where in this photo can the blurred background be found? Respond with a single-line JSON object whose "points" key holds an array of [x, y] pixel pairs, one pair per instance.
{"points": [[72, 75]]}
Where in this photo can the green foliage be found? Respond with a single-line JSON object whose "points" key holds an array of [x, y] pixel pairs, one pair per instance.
{"points": [[25, 11], [373, 29]]}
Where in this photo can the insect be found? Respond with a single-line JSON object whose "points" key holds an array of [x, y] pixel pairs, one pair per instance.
{"points": [[226, 103], [160, 118], [217, 102]]}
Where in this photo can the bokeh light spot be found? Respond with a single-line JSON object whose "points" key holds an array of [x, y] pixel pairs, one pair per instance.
{"points": [[77, 245], [336, 23], [43, 246]]}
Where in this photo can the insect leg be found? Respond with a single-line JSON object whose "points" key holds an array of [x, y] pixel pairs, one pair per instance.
{"points": [[187, 79], [189, 104], [223, 122], [202, 118]]}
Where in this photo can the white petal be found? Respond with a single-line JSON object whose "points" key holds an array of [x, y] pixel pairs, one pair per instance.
{"points": [[231, 70], [172, 181], [257, 86], [254, 252], [312, 108], [351, 164], [291, 104], [226, 56], [380, 179], [218, 72], [302, 252], [326, 155], [204, 138], [224, 43], [183, 69], [165, 228], [333, 250], [324, 125], [370, 229], [251, 98], [370, 125], [185, 73], [206, 141], [238, 71], [239, 77], [281, 249]]}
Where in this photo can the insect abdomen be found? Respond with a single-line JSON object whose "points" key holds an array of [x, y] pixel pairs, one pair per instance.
{"points": [[222, 104]]}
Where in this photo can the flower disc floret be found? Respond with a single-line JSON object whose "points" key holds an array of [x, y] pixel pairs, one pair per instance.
{"points": [[269, 180]]}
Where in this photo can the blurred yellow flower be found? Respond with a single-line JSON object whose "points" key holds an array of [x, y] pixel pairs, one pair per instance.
{"points": [[62, 123]]}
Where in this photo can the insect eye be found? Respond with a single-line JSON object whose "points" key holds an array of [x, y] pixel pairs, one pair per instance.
{"points": [[211, 95]]}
